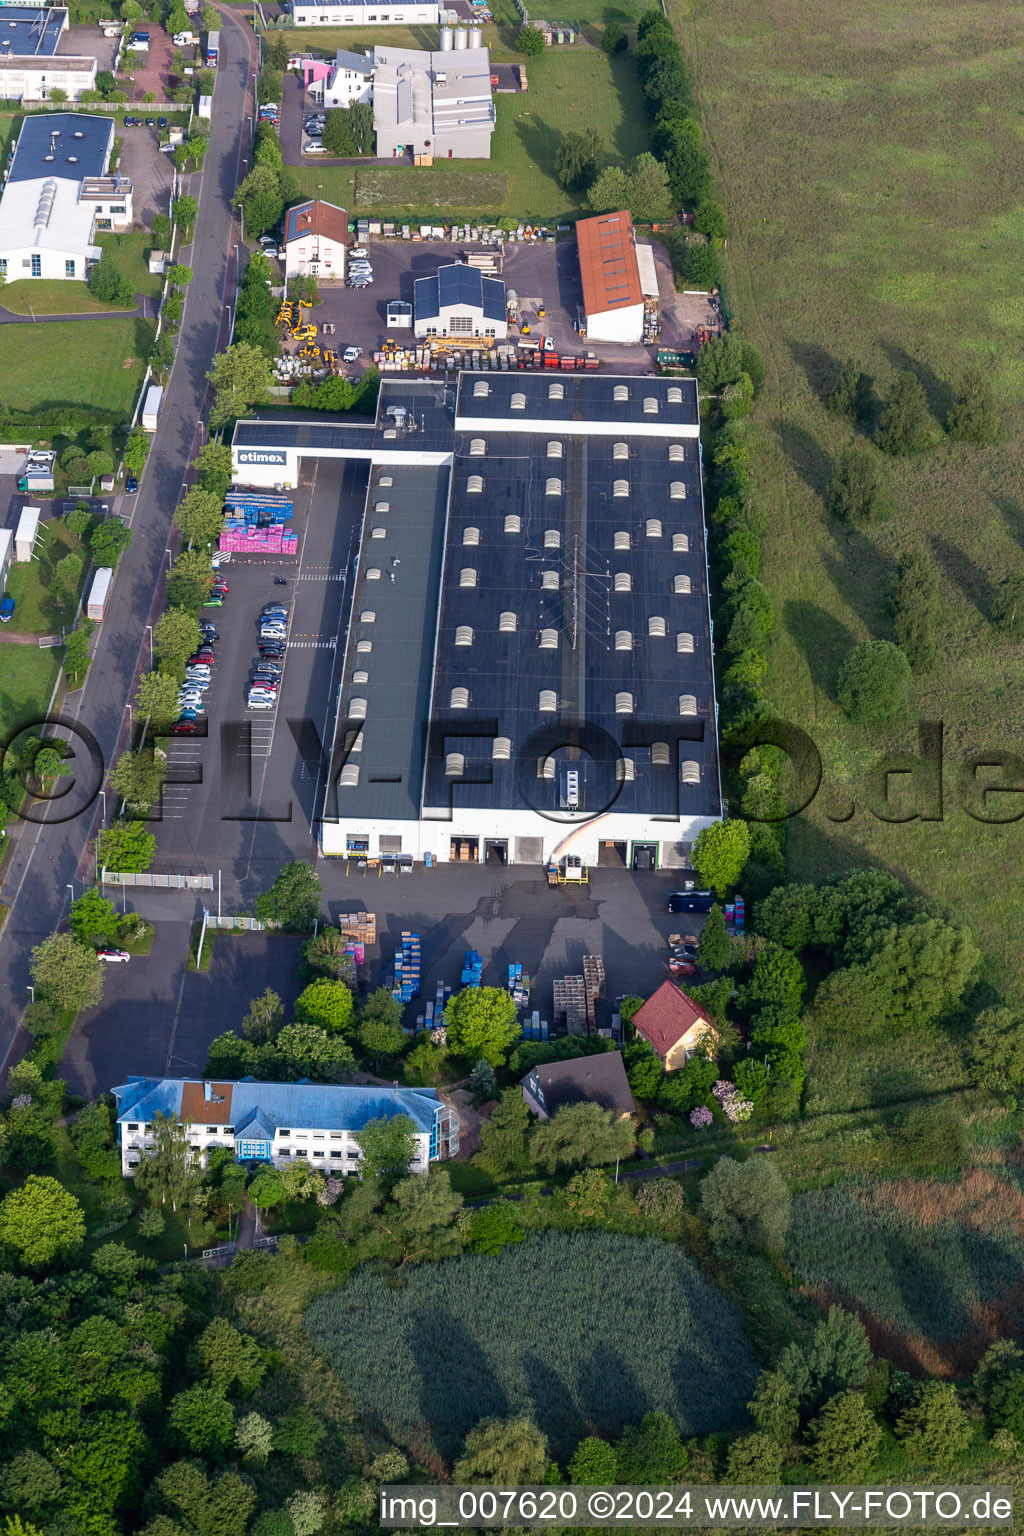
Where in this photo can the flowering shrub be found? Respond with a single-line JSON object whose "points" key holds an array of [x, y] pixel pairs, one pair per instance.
{"points": [[728, 1095], [331, 1192], [701, 1117]]}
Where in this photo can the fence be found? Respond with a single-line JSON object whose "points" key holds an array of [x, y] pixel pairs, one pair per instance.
{"points": [[217, 1253], [239, 924], [162, 882], [264, 1242]]}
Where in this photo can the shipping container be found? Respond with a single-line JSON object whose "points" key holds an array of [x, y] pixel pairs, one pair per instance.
{"points": [[25, 537], [99, 592], [151, 409]]}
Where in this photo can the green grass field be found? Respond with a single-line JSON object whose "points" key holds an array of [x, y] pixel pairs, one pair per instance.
{"points": [[87, 362], [863, 159], [570, 87], [50, 296], [28, 678], [27, 583]]}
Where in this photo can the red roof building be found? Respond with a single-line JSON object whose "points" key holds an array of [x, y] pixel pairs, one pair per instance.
{"points": [[612, 294], [315, 238], [673, 1024]]}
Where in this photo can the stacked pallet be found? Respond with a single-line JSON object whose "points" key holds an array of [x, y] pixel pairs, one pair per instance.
{"points": [[593, 975], [407, 969], [472, 968], [360, 926], [571, 1004]]}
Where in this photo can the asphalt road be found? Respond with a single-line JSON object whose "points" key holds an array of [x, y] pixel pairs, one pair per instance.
{"points": [[49, 856]]}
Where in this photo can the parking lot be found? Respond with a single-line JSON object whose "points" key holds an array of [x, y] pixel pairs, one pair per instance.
{"points": [[150, 172], [245, 791]]}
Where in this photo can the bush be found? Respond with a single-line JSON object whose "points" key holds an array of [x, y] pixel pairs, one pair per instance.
{"points": [[614, 39], [746, 1205], [874, 683]]}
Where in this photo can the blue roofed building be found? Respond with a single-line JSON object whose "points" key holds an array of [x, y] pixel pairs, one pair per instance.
{"points": [[279, 1122], [459, 301]]}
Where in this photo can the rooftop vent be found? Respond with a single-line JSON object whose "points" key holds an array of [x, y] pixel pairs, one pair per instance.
{"points": [[357, 709], [364, 646], [620, 392], [620, 451], [501, 749], [556, 391], [681, 585], [477, 448], [518, 401], [687, 704], [547, 701], [459, 698], [454, 765], [481, 388], [660, 755], [554, 449], [690, 771], [650, 405], [507, 623], [684, 643], [680, 543], [656, 626], [623, 581], [349, 776], [513, 523], [623, 703], [625, 770], [622, 539], [677, 490], [620, 488], [475, 484], [675, 395], [553, 486], [552, 538], [367, 616], [549, 639], [676, 453], [549, 581], [373, 574], [360, 677], [471, 535], [623, 640], [467, 576], [545, 767], [652, 527], [464, 634], [378, 533], [386, 480]]}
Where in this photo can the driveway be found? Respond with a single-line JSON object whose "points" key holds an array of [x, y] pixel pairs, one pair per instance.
{"points": [[150, 172]]}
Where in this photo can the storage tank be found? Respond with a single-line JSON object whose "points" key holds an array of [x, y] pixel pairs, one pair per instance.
{"points": [[446, 40], [461, 37], [476, 37]]}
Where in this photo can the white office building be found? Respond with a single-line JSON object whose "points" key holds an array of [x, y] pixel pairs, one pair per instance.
{"points": [[58, 196], [278, 1123], [362, 13]]}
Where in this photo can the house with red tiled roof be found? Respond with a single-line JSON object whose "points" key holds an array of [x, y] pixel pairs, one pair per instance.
{"points": [[315, 240], [673, 1025]]}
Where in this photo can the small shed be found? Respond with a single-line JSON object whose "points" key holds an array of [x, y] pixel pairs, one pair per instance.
{"points": [[205, 108], [399, 316], [158, 261], [648, 270]]}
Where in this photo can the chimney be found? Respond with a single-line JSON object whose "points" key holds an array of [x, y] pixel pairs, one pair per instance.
{"points": [[207, 1092]]}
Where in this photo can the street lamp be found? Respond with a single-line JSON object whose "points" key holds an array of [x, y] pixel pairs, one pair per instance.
{"points": [[170, 563], [103, 797], [149, 628], [31, 990], [71, 888]]}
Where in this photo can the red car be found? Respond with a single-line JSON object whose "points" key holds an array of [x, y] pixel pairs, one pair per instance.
{"points": [[221, 585], [202, 659], [183, 728]]}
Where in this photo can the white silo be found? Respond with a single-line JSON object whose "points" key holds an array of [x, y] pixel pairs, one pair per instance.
{"points": [[446, 40], [476, 37], [461, 37]]}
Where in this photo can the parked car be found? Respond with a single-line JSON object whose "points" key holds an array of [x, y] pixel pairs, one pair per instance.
{"points": [[131, 485], [214, 602], [161, 122], [260, 704], [184, 728], [360, 281], [209, 632], [129, 122], [6, 610], [168, 149], [274, 608], [150, 122], [358, 251], [350, 355], [113, 956], [309, 148]]}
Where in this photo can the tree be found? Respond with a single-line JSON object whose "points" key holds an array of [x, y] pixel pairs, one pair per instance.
{"points": [[714, 949], [139, 777], [973, 417], [614, 39], [720, 854], [136, 449], [594, 1463], [577, 157], [388, 1146], [328, 1004], [494, 1227], [1005, 1396], [995, 1049], [701, 272], [935, 1428], [1008, 606], [267, 1189], [327, 952], [746, 1205], [67, 973], [903, 421], [837, 1358], [189, 584], [482, 1022], [581, 1134], [914, 599], [293, 900], [240, 377], [259, 197], [201, 1421], [306, 1050], [503, 1138], [178, 275], [512, 1451], [175, 636], [231, 1360], [642, 187], [530, 40], [587, 1195], [41, 1222], [844, 1438], [306, 1512], [851, 395], [151, 1225], [200, 516], [109, 541], [156, 699], [93, 918], [213, 468], [337, 139], [106, 282], [874, 682], [380, 1025], [481, 1080], [856, 487], [170, 1171], [775, 1407], [427, 1206], [754, 1459], [651, 1452], [689, 175], [76, 660], [709, 219], [185, 211], [265, 1017], [125, 847], [254, 1437], [643, 1068], [719, 362]]}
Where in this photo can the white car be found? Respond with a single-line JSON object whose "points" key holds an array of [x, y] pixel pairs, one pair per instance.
{"points": [[350, 355], [113, 956], [259, 704], [358, 252], [309, 148]]}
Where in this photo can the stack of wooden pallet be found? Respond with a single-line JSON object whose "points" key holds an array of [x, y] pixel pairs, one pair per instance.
{"points": [[361, 926], [571, 1003]]}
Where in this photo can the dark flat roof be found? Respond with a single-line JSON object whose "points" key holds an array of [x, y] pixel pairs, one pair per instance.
{"points": [[411, 510], [27, 31], [587, 397], [312, 433], [72, 134], [506, 671]]}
